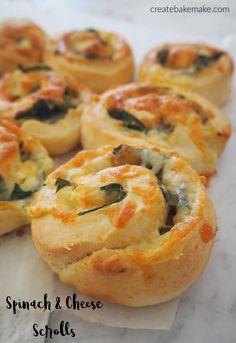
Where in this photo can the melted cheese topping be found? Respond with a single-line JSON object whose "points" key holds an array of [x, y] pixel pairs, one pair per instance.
{"points": [[186, 59], [172, 119], [46, 106], [184, 56], [20, 90], [198, 67], [135, 220]]}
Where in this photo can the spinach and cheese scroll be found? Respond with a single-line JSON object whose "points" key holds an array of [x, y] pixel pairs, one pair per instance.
{"points": [[45, 105], [129, 225], [21, 42], [24, 164], [100, 59], [198, 67], [178, 121]]}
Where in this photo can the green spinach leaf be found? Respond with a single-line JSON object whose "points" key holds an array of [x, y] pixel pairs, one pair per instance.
{"points": [[162, 56], [61, 183], [203, 61], [164, 229], [128, 119], [4, 194], [171, 198], [48, 110], [27, 69], [108, 189], [45, 111], [18, 193], [114, 187], [175, 198], [131, 122], [118, 150]]}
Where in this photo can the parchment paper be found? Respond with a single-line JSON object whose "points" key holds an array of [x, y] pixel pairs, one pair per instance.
{"points": [[23, 274]]}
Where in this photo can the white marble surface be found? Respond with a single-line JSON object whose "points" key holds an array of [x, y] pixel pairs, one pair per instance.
{"points": [[208, 309], [18, 328]]}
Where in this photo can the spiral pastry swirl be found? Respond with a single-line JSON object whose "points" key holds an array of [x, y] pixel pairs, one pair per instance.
{"points": [[197, 67], [129, 225], [178, 121], [45, 105], [100, 59], [24, 163], [21, 42]]}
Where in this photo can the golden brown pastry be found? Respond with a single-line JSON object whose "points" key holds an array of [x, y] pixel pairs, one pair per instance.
{"points": [[178, 121], [128, 225], [197, 67], [45, 105], [100, 59], [21, 42], [24, 163]]}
